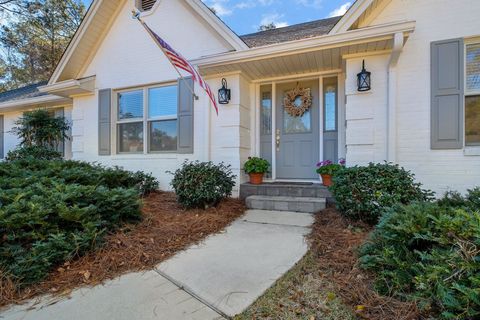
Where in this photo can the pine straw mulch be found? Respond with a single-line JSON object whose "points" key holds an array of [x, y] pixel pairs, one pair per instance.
{"points": [[166, 228], [334, 242]]}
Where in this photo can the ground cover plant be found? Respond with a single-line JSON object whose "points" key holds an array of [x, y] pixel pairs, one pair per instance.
{"points": [[166, 228], [364, 193], [54, 211], [429, 253], [202, 184], [33, 152]]}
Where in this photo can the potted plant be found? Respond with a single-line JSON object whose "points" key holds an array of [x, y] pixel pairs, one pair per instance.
{"points": [[327, 169], [256, 167]]}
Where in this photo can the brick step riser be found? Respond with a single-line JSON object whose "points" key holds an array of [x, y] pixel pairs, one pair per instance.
{"points": [[305, 192], [280, 205]]}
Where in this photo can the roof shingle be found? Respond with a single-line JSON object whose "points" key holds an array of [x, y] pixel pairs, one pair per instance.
{"points": [[30, 91], [290, 33]]}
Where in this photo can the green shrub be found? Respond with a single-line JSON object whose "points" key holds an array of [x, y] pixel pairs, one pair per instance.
{"points": [[27, 171], [202, 184], [455, 199], [364, 193], [429, 253], [33, 152], [53, 211]]}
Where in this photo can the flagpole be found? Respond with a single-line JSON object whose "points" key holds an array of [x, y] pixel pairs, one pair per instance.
{"points": [[136, 15]]}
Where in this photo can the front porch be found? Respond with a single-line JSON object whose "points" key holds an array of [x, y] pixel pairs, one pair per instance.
{"points": [[262, 78]]}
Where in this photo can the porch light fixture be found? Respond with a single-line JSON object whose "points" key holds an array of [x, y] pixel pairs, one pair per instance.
{"points": [[224, 94], [364, 79]]}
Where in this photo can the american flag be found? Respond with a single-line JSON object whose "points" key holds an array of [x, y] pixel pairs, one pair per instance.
{"points": [[178, 61]]}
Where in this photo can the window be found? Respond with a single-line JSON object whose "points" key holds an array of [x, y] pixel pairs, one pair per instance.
{"points": [[149, 111], [162, 115], [301, 124], [266, 113], [472, 95], [330, 104]]}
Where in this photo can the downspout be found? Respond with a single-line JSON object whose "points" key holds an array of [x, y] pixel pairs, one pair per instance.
{"points": [[391, 140]]}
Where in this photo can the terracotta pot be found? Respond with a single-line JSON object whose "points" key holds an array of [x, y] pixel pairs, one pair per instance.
{"points": [[327, 180], [256, 178]]}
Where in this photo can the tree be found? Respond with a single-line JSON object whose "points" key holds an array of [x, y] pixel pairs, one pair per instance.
{"points": [[35, 37], [265, 27], [41, 128], [214, 11]]}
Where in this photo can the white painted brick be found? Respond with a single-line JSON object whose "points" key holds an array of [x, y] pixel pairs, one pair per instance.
{"points": [[439, 170]]}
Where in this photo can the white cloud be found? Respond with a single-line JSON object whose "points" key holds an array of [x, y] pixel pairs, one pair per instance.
{"points": [[340, 11], [317, 4], [266, 2], [274, 18], [252, 4], [220, 8], [245, 5]]}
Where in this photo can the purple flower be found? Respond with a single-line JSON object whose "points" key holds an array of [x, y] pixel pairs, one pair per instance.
{"points": [[342, 161], [324, 163]]}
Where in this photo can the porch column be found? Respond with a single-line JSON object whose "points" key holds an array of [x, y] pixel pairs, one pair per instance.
{"points": [[391, 141]]}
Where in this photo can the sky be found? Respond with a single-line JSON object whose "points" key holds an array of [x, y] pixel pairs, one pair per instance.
{"points": [[245, 16]]}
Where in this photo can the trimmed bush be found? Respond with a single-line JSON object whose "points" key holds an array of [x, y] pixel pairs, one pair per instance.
{"points": [[33, 152], [53, 211], [364, 193], [202, 184], [430, 253]]}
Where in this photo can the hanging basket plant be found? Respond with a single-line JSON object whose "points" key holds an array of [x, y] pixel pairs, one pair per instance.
{"points": [[298, 101]]}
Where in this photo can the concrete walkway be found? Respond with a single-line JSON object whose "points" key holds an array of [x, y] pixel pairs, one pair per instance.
{"points": [[219, 278]]}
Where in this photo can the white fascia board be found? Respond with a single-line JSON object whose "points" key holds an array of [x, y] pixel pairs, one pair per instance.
{"points": [[68, 87], [225, 32], [380, 32], [352, 14], [92, 11], [33, 102]]}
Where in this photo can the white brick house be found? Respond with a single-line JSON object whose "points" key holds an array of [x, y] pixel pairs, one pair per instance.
{"points": [[422, 112]]}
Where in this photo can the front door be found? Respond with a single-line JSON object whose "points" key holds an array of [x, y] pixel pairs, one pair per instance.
{"points": [[297, 136]]}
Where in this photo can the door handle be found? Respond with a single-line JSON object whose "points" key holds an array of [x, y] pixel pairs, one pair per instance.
{"points": [[277, 139]]}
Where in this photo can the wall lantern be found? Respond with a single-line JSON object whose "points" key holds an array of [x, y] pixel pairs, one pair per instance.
{"points": [[224, 94], [364, 79]]}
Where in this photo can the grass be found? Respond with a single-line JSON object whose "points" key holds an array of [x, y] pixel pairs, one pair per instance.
{"points": [[300, 294]]}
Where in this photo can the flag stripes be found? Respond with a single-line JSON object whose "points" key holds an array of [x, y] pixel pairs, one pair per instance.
{"points": [[178, 61]]}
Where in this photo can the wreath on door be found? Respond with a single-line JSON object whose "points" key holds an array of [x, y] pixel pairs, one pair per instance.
{"points": [[298, 101]]}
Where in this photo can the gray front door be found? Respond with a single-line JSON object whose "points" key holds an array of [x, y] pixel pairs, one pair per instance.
{"points": [[297, 145]]}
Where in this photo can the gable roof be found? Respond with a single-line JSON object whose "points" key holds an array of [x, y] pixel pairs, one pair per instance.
{"points": [[30, 91], [295, 32], [98, 20], [360, 14]]}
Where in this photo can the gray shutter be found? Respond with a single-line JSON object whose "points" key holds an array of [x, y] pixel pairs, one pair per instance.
{"points": [[185, 116], [2, 136], [59, 113], [104, 121], [447, 78]]}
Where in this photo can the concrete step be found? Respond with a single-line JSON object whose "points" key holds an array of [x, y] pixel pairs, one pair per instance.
{"points": [[280, 203], [307, 190]]}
